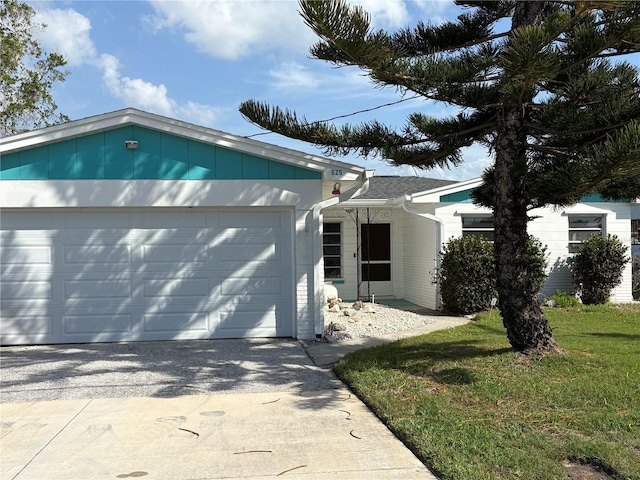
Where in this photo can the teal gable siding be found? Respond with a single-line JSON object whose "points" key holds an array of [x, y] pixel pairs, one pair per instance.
{"points": [[160, 156], [10, 167], [458, 197], [465, 197]]}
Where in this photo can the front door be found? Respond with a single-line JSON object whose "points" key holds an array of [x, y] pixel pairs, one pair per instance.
{"points": [[375, 259]]}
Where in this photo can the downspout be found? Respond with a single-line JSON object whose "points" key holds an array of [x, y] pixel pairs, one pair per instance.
{"points": [[406, 206], [318, 312]]}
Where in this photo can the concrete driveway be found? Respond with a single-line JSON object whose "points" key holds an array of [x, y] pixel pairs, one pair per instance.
{"points": [[157, 369], [216, 409]]}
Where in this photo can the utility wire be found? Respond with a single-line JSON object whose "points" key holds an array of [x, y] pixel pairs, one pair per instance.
{"points": [[346, 115]]}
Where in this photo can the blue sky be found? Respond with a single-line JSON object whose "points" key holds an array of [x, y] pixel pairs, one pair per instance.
{"points": [[198, 60]]}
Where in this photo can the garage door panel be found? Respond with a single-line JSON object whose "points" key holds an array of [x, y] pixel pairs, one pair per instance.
{"points": [[250, 287], [175, 253], [87, 289], [82, 276], [26, 255], [99, 255], [176, 288], [185, 323], [261, 220], [244, 323], [16, 325], [96, 324], [24, 290], [15, 221], [250, 252], [182, 219]]}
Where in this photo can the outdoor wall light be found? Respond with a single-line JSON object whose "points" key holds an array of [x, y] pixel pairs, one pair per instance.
{"points": [[336, 188], [131, 144]]}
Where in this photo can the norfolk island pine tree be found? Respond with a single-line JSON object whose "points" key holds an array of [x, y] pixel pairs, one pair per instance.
{"points": [[551, 96]]}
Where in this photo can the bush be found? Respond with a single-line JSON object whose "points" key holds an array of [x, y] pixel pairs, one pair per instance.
{"points": [[635, 273], [562, 300], [597, 268], [467, 275], [537, 263]]}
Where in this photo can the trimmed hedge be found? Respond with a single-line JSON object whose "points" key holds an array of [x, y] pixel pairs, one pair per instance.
{"points": [[597, 268]]}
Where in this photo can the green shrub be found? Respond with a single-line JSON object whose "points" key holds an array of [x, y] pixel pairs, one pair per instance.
{"points": [[562, 300], [467, 275], [537, 263], [597, 268], [635, 273]]}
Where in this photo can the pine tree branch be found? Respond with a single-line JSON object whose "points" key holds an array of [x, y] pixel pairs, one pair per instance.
{"points": [[338, 117]]}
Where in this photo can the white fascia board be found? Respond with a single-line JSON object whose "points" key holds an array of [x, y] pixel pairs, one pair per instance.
{"points": [[332, 169], [366, 203]]}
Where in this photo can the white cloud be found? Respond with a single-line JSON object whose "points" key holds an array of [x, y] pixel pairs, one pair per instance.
{"points": [[139, 93], [68, 33], [134, 91], [293, 76], [438, 11], [231, 29], [385, 14], [197, 113]]}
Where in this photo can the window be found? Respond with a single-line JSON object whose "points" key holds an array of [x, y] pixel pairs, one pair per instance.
{"points": [[481, 225], [376, 252], [635, 232], [581, 227], [332, 249]]}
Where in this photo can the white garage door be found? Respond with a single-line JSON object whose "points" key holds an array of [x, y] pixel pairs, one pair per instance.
{"points": [[86, 275]]}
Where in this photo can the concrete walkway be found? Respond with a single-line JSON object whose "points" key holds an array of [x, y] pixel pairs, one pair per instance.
{"points": [[326, 433]]}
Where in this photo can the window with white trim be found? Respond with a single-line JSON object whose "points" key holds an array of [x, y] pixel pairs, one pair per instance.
{"points": [[635, 232], [481, 225], [581, 227], [332, 250]]}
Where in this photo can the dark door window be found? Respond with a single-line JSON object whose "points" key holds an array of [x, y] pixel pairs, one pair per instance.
{"points": [[376, 252]]}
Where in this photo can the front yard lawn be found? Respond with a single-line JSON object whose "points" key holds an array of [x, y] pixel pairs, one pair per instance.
{"points": [[471, 408]]}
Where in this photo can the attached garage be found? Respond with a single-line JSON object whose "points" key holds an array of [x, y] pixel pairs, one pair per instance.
{"points": [[96, 275], [130, 259]]}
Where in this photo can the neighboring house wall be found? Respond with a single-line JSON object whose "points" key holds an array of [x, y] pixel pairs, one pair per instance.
{"points": [[551, 227]]}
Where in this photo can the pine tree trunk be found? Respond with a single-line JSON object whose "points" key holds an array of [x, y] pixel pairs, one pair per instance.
{"points": [[527, 329]]}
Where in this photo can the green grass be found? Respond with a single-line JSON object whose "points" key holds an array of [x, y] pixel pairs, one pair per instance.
{"points": [[471, 408]]}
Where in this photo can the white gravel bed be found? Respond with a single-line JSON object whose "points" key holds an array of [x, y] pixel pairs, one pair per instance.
{"points": [[371, 321]]}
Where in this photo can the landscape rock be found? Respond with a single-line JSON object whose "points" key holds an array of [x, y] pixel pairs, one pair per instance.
{"points": [[373, 321]]}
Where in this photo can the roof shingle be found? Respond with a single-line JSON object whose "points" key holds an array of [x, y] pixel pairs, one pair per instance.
{"points": [[385, 187]]}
